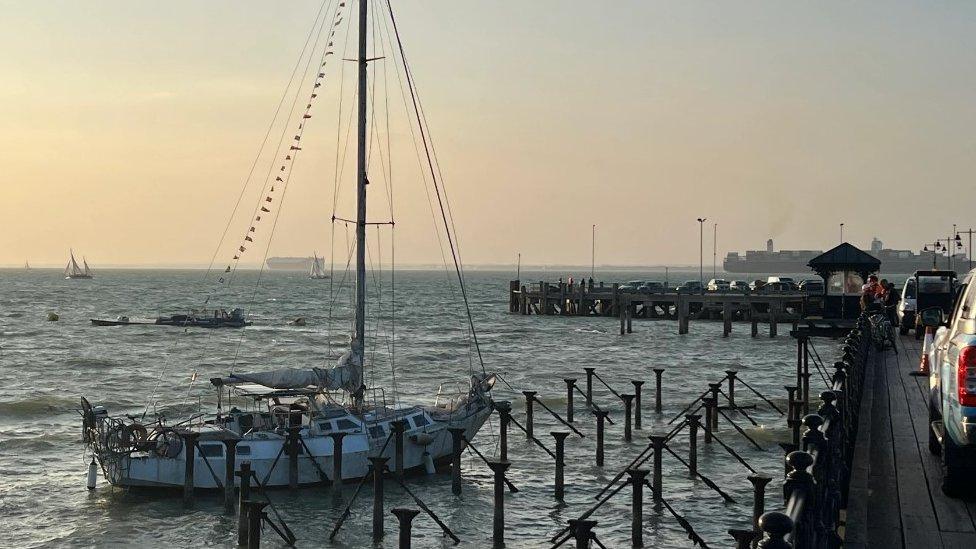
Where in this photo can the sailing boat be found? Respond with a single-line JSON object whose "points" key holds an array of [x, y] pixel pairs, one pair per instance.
{"points": [[26, 265], [73, 270], [304, 411], [317, 271]]}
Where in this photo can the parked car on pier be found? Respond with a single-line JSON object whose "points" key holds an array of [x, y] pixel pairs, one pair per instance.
{"points": [[790, 283], [811, 286], [739, 286], [756, 285], [690, 287], [651, 287], [906, 307], [776, 288], [630, 286], [934, 289], [717, 285], [952, 389]]}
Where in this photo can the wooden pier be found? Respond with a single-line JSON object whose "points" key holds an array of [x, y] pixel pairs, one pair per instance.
{"points": [[562, 299], [895, 499]]}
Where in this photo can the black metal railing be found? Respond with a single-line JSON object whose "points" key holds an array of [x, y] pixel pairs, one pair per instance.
{"points": [[817, 473]]}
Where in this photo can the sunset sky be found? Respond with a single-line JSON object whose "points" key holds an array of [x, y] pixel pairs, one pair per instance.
{"points": [[128, 127]]}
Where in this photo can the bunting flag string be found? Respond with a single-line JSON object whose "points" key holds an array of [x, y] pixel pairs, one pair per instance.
{"points": [[284, 171]]}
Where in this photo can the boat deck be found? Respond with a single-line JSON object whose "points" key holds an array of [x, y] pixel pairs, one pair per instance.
{"points": [[895, 499]]}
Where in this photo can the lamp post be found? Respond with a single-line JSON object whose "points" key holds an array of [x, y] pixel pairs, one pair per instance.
{"points": [[714, 248], [940, 245], [969, 248], [841, 233], [592, 250], [701, 253]]}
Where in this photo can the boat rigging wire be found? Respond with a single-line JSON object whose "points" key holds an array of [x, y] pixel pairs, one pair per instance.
{"points": [[427, 147]]}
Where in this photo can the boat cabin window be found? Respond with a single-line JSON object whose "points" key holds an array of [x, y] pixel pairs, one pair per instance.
{"points": [[243, 450], [345, 425], [325, 426], [377, 431], [419, 421], [212, 450]]}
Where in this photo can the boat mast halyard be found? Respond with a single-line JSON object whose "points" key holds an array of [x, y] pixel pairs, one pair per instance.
{"points": [[359, 339]]}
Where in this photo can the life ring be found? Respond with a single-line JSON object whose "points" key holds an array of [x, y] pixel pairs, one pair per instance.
{"points": [[135, 436], [169, 444]]}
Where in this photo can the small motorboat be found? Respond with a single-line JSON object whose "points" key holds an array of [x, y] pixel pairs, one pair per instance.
{"points": [[120, 320], [220, 319]]}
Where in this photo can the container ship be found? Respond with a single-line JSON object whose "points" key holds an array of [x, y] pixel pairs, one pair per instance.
{"points": [[769, 261], [290, 263]]}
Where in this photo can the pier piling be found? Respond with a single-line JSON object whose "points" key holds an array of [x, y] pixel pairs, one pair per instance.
{"points": [[398, 426], [693, 420], [291, 448], [189, 447], [255, 513], [570, 388], [230, 463], [709, 404], [637, 479], [244, 497], [759, 483], [589, 385], [628, 405], [730, 375], [337, 458], [504, 418], [726, 319], [582, 532], [658, 372], [378, 464], [601, 415], [658, 442], [498, 516], [637, 403], [775, 526], [457, 441], [560, 437], [405, 518], [529, 413]]}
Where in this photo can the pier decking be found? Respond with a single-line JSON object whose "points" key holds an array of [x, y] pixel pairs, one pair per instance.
{"points": [[895, 499]]}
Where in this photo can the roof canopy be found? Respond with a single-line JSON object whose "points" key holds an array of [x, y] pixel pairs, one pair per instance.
{"points": [[844, 257]]}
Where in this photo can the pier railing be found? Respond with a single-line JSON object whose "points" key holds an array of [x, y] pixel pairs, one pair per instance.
{"points": [[817, 472]]}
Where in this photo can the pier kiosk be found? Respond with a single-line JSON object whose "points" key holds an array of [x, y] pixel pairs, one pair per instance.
{"points": [[844, 269]]}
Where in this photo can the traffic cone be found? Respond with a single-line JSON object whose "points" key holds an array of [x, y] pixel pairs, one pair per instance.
{"points": [[924, 368]]}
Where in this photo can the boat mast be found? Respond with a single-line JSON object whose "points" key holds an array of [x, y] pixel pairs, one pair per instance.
{"points": [[359, 339]]}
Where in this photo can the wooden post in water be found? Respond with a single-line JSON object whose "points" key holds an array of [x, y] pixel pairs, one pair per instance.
{"points": [[529, 413], [457, 441], [683, 310], [693, 420], [378, 464], [498, 517], [731, 377], [230, 464], [570, 389], [753, 320], [806, 375], [601, 416], [589, 384], [630, 316], [544, 304], [504, 418], [759, 483], [524, 301], [291, 448], [255, 512], [709, 403], [189, 448], [244, 497], [773, 313], [726, 319], [628, 405], [658, 372], [560, 437], [582, 532], [337, 458], [637, 402], [637, 479], [658, 442], [399, 426], [405, 518]]}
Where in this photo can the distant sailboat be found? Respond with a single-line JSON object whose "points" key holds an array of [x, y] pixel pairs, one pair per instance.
{"points": [[73, 270], [317, 272], [26, 265]]}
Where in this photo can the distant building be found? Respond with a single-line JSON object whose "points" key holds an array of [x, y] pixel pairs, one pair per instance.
{"points": [[770, 262]]}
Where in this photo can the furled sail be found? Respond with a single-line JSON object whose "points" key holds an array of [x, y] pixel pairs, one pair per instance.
{"points": [[346, 375]]}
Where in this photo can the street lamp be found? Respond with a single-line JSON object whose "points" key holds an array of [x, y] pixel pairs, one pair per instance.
{"points": [[701, 252], [714, 248], [592, 251], [969, 247], [841, 233]]}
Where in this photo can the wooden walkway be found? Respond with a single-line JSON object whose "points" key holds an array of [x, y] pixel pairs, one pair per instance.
{"points": [[895, 499]]}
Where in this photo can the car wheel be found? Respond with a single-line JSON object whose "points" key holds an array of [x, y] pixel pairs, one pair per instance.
{"points": [[935, 446], [953, 477]]}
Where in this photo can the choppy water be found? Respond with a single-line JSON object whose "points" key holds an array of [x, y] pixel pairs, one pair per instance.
{"points": [[46, 366]]}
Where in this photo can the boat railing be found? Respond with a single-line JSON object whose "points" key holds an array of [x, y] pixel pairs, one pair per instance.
{"points": [[452, 397]]}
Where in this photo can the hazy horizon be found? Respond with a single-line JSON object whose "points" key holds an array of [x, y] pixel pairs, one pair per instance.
{"points": [[126, 131]]}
